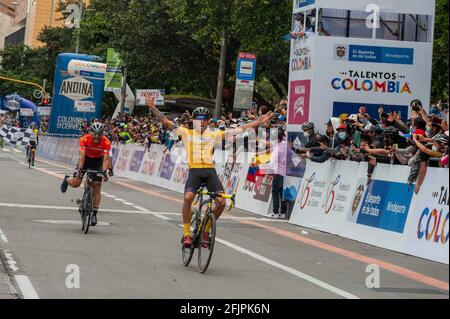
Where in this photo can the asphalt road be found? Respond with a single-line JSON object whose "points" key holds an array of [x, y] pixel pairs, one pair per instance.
{"points": [[136, 251]]}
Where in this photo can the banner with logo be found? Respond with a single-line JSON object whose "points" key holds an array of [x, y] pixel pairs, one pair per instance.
{"points": [[114, 71], [254, 191], [77, 93], [325, 196], [351, 73], [44, 110], [158, 95], [428, 223], [150, 164]]}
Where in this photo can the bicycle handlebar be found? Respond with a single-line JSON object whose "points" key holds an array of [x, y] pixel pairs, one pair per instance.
{"points": [[90, 171], [221, 195]]}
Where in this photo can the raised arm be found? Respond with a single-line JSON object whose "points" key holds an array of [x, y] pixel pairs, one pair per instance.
{"points": [[159, 116], [262, 120]]}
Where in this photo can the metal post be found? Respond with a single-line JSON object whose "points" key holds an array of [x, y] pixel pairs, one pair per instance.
{"points": [[220, 81], [77, 41]]}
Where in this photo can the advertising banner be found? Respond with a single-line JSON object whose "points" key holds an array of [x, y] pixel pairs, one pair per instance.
{"points": [[151, 163], [386, 206], [85, 106], [351, 72], [324, 196], [44, 110], [230, 175], [299, 98], [72, 89], [255, 191], [158, 95], [26, 112], [428, 223], [123, 160], [114, 72]]}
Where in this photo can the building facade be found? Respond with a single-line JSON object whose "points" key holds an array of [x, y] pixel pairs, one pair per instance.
{"points": [[23, 20]]}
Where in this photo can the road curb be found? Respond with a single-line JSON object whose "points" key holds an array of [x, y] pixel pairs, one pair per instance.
{"points": [[9, 288]]}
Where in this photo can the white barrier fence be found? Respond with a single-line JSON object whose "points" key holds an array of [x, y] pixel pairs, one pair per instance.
{"points": [[334, 197]]}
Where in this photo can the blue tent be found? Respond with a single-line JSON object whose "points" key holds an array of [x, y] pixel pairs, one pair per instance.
{"points": [[25, 121]]}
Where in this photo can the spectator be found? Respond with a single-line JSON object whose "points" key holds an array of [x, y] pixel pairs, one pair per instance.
{"points": [[277, 168]]}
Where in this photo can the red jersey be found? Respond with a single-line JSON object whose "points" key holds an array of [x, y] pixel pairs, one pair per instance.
{"points": [[95, 150]]}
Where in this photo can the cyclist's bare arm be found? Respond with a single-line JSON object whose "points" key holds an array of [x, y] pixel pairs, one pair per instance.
{"points": [[159, 116], [81, 159], [105, 165], [262, 120]]}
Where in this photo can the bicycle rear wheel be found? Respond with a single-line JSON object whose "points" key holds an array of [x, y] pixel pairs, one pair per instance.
{"points": [[206, 244], [29, 159], [87, 210], [187, 253]]}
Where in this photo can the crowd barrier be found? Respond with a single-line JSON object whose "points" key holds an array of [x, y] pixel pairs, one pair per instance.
{"points": [[334, 197]]}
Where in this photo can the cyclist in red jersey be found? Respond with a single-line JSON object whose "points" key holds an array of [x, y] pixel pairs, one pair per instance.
{"points": [[94, 155]]}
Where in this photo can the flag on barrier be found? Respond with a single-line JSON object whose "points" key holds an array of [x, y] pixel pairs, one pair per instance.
{"points": [[17, 136]]}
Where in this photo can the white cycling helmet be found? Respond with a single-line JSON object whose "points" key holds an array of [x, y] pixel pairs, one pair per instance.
{"points": [[97, 128]]}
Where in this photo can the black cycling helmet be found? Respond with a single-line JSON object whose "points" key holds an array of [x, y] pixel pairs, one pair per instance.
{"points": [[201, 113], [416, 102], [97, 128], [441, 138], [308, 126]]}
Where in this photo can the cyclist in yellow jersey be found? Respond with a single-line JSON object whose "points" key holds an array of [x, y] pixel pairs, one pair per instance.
{"points": [[199, 143]]}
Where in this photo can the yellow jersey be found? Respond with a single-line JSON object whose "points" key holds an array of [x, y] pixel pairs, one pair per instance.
{"points": [[199, 146]]}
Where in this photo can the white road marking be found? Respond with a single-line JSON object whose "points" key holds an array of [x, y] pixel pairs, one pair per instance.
{"points": [[12, 264], [3, 237], [287, 269], [108, 195], [67, 208], [6, 150], [25, 286], [161, 216], [142, 209], [129, 203], [17, 151], [67, 222]]}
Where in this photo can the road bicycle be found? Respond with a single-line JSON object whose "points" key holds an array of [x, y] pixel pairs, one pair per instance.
{"points": [[31, 156], [205, 245], [86, 204]]}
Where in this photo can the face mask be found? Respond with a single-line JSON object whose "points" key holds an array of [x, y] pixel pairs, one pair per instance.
{"points": [[307, 134], [435, 148], [313, 20], [342, 136]]}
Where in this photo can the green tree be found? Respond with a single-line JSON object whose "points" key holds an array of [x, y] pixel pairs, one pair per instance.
{"points": [[440, 85]]}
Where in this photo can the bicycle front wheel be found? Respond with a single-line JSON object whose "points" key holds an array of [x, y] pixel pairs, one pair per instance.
{"points": [[206, 242], [187, 253], [87, 209]]}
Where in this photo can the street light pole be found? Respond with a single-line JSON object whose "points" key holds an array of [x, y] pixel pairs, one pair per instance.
{"points": [[220, 80], [77, 41]]}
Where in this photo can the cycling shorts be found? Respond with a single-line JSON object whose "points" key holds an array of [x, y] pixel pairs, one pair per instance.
{"points": [[95, 164], [207, 176]]}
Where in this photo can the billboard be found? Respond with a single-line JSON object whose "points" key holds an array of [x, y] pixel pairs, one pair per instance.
{"points": [[77, 92]]}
